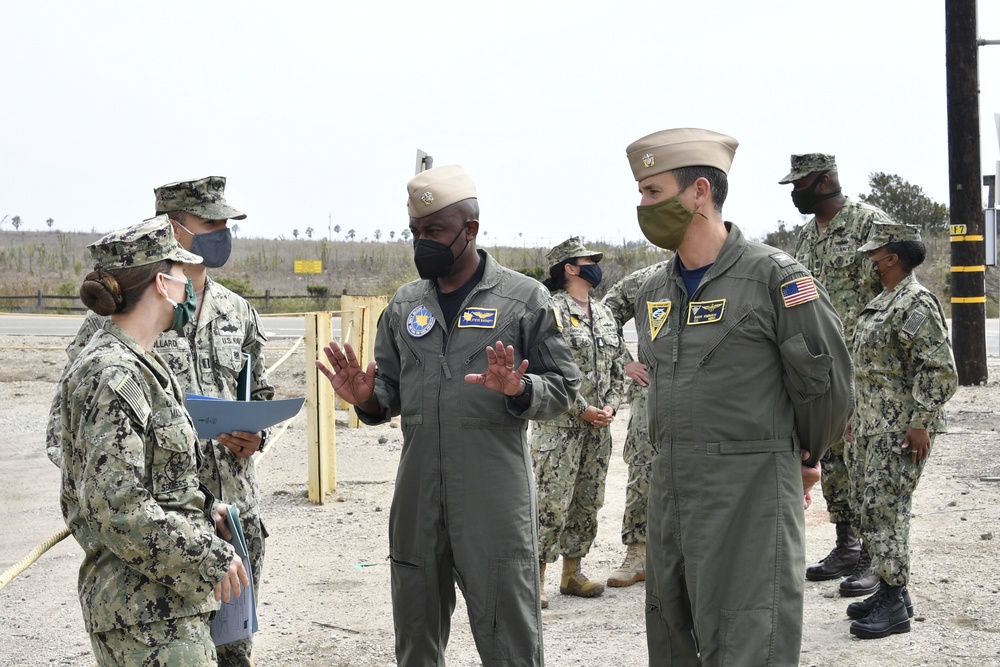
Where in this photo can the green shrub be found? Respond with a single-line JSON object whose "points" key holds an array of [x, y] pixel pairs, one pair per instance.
{"points": [[239, 285]]}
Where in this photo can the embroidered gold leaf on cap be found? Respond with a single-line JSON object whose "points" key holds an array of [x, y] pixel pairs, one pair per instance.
{"points": [[427, 198], [648, 160]]}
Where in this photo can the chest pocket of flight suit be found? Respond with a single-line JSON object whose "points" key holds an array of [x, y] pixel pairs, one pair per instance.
{"points": [[477, 412], [172, 464]]}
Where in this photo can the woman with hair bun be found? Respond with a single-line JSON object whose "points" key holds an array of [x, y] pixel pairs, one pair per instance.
{"points": [[130, 492]]}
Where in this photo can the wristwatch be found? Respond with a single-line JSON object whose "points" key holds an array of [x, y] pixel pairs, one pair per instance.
{"points": [[264, 433], [524, 398]]}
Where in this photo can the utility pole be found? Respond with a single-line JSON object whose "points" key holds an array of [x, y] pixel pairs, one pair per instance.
{"points": [[968, 269]]}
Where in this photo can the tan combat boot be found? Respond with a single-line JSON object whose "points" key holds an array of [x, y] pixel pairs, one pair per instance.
{"points": [[541, 575], [574, 582], [633, 568]]}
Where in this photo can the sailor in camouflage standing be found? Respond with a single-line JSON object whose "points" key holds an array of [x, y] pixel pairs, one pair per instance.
{"points": [[905, 373], [207, 355], [638, 451], [827, 246], [748, 371], [571, 452], [130, 490]]}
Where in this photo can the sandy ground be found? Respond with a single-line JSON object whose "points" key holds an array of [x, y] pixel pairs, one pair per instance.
{"points": [[325, 594]]}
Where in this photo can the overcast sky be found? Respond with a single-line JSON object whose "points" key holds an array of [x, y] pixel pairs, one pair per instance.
{"points": [[315, 110]]}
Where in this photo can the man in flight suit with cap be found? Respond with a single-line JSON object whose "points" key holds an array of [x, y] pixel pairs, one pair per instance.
{"points": [[749, 374], [465, 356]]}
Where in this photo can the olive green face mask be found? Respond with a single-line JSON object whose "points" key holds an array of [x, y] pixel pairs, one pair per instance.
{"points": [[664, 223]]}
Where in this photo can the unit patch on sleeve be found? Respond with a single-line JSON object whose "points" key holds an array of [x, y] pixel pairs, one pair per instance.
{"points": [[913, 322], [478, 318], [703, 312], [419, 322], [659, 311], [797, 292]]}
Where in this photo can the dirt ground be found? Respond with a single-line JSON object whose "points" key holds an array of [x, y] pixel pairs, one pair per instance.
{"points": [[325, 594]]}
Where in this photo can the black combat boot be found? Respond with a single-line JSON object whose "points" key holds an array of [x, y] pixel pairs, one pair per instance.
{"points": [[862, 581], [841, 561], [887, 618], [858, 610]]}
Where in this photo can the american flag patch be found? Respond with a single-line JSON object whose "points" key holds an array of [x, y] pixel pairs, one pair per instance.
{"points": [[799, 291]]}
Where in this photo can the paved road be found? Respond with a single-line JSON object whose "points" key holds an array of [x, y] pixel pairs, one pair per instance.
{"points": [[281, 326]]}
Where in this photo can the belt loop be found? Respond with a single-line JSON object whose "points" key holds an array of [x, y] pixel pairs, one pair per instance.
{"points": [[712, 448]]}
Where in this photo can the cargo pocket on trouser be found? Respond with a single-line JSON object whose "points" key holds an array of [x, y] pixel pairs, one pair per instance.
{"points": [[512, 622], [746, 637], [409, 600]]}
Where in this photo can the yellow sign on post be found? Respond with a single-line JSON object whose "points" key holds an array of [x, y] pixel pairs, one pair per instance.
{"points": [[321, 446], [308, 266], [957, 230], [358, 322]]}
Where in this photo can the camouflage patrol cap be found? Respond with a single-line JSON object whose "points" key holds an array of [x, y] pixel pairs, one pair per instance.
{"points": [[205, 197], [889, 232], [809, 163], [434, 189], [681, 147], [149, 241], [570, 249]]}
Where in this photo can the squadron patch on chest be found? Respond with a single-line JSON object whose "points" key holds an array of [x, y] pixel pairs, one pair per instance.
{"points": [[478, 318], [419, 322], [704, 312], [658, 311]]}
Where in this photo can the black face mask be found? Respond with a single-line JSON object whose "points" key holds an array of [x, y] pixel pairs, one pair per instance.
{"points": [[806, 198], [592, 273], [434, 260]]}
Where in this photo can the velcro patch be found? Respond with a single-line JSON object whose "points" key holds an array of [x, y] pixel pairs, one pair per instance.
{"points": [[658, 311], [478, 318], [704, 312], [797, 292], [128, 389], [782, 259], [913, 322]]}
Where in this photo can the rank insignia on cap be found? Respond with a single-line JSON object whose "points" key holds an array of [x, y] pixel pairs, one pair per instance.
{"points": [[419, 322], [478, 318], [797, 292], [659, 311], [427, 198], [703, 312], [648, 160]]}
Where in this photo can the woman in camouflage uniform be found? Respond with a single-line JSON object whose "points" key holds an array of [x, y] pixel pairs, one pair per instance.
{"points": [[571, 452], [130, 492], [905, 373]]}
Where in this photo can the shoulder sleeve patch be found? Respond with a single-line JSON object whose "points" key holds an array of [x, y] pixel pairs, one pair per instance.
{"points": [[127, 388], [782, 259], [913, 322]]}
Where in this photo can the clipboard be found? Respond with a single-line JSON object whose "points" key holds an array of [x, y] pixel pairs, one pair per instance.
{"points": [[214, 416]]}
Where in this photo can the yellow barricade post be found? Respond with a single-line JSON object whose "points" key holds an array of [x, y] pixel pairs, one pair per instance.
{"points": [[321, 446], [358, 323]]}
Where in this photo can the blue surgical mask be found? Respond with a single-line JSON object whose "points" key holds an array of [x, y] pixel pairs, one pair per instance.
{"points": [[214, 247]]}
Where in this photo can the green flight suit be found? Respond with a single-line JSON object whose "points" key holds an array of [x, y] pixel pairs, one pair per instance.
{"points": [[464, 507], [638, 450], [743, 373], [131, 495]]}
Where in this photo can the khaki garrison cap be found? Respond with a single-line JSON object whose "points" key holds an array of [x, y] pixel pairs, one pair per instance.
{"points": [[889, 232], [570, 249], [434, 189], [205, 197], [809, 163], [145, 243], [683, 147]]}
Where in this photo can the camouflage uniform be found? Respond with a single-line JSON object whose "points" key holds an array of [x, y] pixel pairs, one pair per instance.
{"points": [[206, 359], [905, 374], [832, 257], [130, 491], [638, 450], [570, 457]]}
